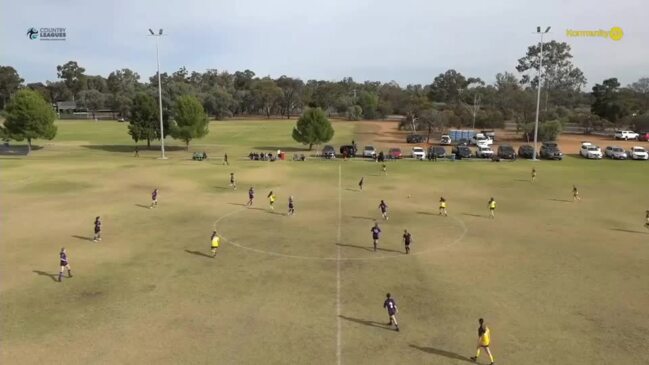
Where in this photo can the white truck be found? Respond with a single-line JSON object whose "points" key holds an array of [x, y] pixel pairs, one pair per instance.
{"points": [[626, 135]]}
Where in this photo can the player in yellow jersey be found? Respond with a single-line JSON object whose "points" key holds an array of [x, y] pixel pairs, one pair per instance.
{"points": [[647, 219], [271, 200], [533, 174], [214, 242], [492, 207], [442, 207], [575, 193], [484, 339]]}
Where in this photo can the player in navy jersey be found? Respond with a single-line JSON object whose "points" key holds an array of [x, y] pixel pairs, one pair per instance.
{"points": [[384, 210], [154, 198], [291, 205], [233, 182], [97, 236], [376, 232], [63, 261], [391, 306], [251, 196], [407, 240]]}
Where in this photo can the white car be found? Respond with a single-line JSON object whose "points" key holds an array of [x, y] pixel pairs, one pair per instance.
{"points": [[369, 151], [638, 153], [445, 140], [484, 152], [626, 135], [481, 139], [589, 150], [418, 153]]}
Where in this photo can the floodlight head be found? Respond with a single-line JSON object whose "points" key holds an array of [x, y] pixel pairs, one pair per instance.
{"points": [[538, 29], [160, 33], [547, 29], [151, 31]]}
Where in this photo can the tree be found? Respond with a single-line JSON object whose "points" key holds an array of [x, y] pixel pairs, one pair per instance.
{"points": [[607, 103], [10, 81], [266, 94], [58, 91], [548, 131], [28, 116], [369, 102], [558, 71], [291, 98], [219, 103], [144, 122], [91, 100], [73, 76], [641, 86], [190, 120], [354, 112], [313, 127], [40, 88], [447, 87]]}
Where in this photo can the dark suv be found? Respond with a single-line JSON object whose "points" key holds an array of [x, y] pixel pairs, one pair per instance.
{"points": [[461, 152], [436, 152], [526, 151], [415, 138], [348, 150], [550, 151], [328, 152], [507, 152]]}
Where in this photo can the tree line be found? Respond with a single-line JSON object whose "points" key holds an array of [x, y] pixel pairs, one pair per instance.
{"points": [[450, 100]]}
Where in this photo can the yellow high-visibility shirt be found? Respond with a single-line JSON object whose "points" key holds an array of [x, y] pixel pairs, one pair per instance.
{"points": [[215, 241], [485, 340], [492, 205], [272, 198], [442, 205]]}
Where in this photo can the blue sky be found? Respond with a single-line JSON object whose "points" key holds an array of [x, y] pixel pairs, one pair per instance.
{"points": [[406, 41]]}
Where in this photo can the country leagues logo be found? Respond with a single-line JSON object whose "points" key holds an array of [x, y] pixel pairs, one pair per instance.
{"points": [[47, 34]]}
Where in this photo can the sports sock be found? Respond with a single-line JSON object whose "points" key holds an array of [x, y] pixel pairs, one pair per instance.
{"points": [[60, 275], [490, 357], [70, 273], [477, 353]]}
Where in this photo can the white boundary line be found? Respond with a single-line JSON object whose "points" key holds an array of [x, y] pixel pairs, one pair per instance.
{"points": [[338, 240]]}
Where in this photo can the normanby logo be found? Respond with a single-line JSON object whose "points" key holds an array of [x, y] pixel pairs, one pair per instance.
{"points": [[47, 34]]}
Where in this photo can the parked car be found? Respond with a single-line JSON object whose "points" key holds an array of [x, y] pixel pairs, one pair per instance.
{"points": [[550, 151], [415, 138], [461, 152], [328, 152], [436, 152], [418, 153], [462, 142], [626, 135], [507, 152], [589, 150], [615, 152], [526, 151], [349, 150], [491, 134], [445, 140], [484, 152], [369, 151], [638, 153], [643, 136], [481, 140], [394, 153]]}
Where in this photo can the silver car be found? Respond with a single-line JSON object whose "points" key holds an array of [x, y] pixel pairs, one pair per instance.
{"points": [[615, 152]]}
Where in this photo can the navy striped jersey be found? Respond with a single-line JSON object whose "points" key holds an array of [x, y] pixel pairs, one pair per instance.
{"points": [[390, 305], [63, 257]]}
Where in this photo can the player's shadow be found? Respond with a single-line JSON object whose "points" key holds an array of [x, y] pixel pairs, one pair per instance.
{"points": [[522, 180], [350, 189], [364, 218], [367, 323], [475, 215], [427, 213], [143, 206], [628, 231], [198, 253], [239, 204], [354, 246], [561, 200], [43, 273], [447, 354], [223, 188], [82, 237]]}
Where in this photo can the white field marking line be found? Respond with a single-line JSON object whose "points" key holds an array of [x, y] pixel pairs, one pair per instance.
{"points": [[277, 254], [338, 240]]}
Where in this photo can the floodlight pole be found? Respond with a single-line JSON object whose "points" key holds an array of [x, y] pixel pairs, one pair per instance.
{"points": [[157, 55], [538, 93]]}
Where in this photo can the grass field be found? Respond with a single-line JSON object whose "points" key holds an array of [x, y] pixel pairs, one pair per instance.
{"points": [[558, 282]]}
